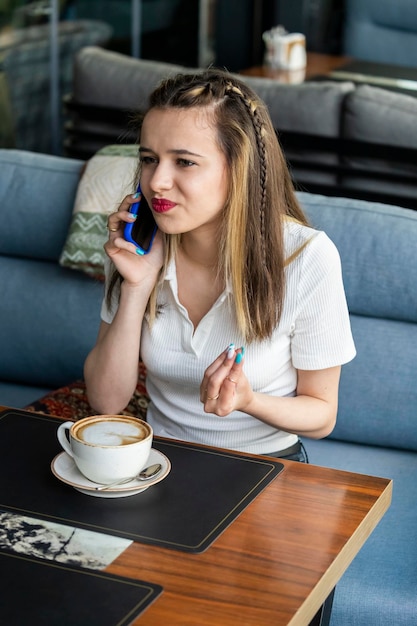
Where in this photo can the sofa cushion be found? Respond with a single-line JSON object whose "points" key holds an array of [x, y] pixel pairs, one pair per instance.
{"points": [[376, 244], [49, 322], [112, 79], [378, 391], [381, 30], [19, 395], [384, 117], [311, 107], [381, 116], [30, 185], [379, 587], [108, 177], [378, 394]]}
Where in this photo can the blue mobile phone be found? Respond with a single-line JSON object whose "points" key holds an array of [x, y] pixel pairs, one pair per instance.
{"points": [[142, 231]]}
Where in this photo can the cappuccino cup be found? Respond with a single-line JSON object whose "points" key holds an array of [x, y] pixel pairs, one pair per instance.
{"points": [[107, 448]]}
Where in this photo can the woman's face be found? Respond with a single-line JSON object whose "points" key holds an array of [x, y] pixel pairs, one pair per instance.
{"points": [[183, 171]]}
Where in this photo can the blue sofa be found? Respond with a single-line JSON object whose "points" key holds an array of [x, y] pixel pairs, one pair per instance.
{"points": [[49, 318], [376, 431], [48, 314], [381, 31]]}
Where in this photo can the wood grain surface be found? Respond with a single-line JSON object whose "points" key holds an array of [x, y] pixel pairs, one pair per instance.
{"points": [[276, 563]]}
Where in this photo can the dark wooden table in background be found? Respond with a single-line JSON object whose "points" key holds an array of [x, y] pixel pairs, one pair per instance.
{"points": [[317, 65]]}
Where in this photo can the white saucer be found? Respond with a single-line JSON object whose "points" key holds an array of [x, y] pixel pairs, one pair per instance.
{"points": [[64, 468]]}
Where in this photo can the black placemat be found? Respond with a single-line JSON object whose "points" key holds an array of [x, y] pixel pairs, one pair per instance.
{"points": [[46, 593], [205, 491]]}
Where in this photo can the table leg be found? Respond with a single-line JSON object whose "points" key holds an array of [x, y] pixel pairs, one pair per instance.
{"points": [[322, 617]]}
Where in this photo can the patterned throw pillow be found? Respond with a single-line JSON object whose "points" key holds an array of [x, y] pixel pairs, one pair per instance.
{"points": [[108, 177], [71, 401]]}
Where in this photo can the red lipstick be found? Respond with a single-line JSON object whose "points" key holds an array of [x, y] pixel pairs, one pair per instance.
{"points": [[161, 205]]}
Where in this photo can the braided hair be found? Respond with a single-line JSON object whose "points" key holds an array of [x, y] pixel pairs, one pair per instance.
{"points": [[260, 195]]}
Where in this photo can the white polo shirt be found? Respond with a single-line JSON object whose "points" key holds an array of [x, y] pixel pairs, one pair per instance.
{"points": [[313, 333]]}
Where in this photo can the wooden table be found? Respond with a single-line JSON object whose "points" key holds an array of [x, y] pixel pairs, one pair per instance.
{"points": [[276, 563], [317, 65]]}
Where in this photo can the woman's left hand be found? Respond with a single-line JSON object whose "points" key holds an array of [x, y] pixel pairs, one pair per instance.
{"points": [[225, 387]]}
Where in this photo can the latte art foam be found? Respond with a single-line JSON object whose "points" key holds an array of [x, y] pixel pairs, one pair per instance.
{"points": [[111, 433]]}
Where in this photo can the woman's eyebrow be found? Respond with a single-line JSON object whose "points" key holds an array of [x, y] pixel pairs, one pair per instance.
{"points": [[173, 151], [144, 149]]}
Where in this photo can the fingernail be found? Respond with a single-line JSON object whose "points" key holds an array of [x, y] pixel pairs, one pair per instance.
{"points": [[242, 349], [139, 251], [136, 195], [239, 358], [231, 351]]}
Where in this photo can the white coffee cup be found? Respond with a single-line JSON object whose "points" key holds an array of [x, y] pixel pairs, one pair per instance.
{"points": [[107, 448]]}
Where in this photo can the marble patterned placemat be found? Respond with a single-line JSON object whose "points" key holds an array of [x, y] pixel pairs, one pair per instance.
{"points": [[58, 542]]}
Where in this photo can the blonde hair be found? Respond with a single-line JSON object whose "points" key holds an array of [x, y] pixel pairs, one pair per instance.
{"points": [[260, 195]]}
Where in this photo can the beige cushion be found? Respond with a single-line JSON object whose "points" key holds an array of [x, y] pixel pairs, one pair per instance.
{"points": [[108, 177]]}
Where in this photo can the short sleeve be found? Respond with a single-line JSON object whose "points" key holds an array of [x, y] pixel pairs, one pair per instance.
{"points": [[322, 334]]}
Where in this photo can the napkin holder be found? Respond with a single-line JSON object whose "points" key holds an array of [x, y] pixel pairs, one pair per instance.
{"points": [[284, 51]]}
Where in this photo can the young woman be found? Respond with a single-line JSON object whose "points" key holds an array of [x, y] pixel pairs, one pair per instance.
{"points": [[238, 311]]}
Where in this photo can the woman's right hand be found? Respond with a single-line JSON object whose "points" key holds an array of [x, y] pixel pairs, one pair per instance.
{"points": [[133, 267]]}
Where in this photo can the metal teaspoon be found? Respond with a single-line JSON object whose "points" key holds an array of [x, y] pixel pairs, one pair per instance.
{"points": [[149, 472]]}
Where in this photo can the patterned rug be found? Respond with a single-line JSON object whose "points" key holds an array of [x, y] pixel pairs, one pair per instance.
{"points": [[70, 402]]}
